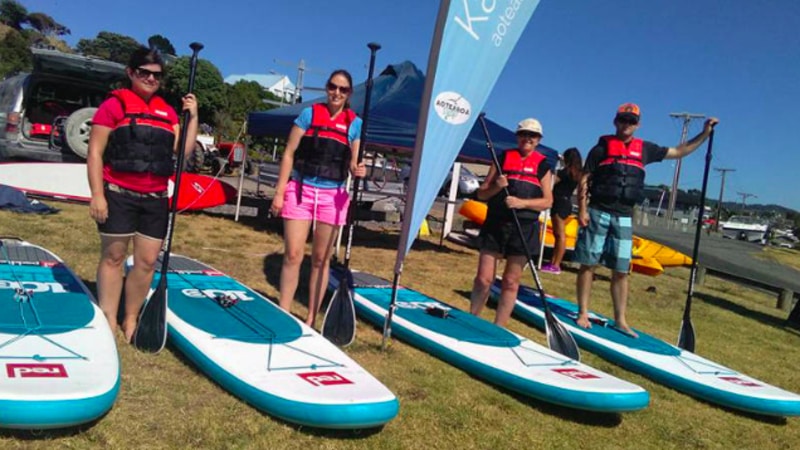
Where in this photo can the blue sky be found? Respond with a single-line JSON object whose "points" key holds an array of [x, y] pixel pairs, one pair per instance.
{"points": [[576, 61]]}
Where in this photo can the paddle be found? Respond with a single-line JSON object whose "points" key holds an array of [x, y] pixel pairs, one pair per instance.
{"points": [[686, 339], [339, 325], [151, 332], [559, 338]]}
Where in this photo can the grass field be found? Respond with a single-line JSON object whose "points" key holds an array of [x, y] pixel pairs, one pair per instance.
{"points": [[166, 403]]}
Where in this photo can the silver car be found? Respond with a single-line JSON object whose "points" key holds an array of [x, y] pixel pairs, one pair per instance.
{"points": [[46, 115]]}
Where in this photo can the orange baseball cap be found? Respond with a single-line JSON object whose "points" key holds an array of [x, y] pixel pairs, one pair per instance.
{"points": [[628, 110]]}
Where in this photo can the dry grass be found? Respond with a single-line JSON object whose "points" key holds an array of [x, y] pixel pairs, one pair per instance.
{"points": [[166, 403], [786, 256]]}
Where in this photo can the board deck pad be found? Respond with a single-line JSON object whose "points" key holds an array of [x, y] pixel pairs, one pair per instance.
{"points": [[58, 359], [670, 365], [267, 357], [490, 352]]}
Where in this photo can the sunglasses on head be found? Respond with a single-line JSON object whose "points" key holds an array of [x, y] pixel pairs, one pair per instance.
{"points": [[144, 74], [528, 134], [335, 87]]}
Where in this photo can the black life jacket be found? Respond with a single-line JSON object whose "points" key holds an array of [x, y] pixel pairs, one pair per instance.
{"points": [[523, 182], [324, 150], [620, 175], [144, 140]]}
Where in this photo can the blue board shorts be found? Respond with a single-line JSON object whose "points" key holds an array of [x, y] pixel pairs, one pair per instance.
{"points": [[608, 240]]}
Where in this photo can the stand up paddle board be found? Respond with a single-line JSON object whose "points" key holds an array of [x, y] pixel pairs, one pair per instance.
{"points": [[265, 356], [656, 359], [58, 360], [68, 181], [490, 352]]}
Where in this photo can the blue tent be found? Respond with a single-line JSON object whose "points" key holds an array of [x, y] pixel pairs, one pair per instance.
{"points": [[393, 116]]}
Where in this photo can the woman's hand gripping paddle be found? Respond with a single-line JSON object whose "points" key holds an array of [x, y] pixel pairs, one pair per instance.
{"points": [[559, 339], [151, 331], [339, 325], [686, 338]]}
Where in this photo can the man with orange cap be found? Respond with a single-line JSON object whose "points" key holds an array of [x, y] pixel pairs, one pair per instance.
{"points": [[612, 183]]}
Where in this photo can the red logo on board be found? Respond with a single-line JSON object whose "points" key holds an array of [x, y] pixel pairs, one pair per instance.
{"points": [[740, 382], [324, 378], [36, 371], [576, 374]]}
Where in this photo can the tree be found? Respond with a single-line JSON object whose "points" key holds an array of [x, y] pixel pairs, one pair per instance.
{"points": [[13, 14], [15, 55], [111, 46], [209, 87], [46, 25], [161, 43]]}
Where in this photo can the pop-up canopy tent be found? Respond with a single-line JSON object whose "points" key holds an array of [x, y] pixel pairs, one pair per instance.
{"points": [[393, 117]]}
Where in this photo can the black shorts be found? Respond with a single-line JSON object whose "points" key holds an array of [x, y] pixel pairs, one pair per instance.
{"points": [[562, 206], [131, 213], [502, 237]]}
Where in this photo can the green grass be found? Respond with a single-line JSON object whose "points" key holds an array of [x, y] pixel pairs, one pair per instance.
{"points": [[166, 403]]}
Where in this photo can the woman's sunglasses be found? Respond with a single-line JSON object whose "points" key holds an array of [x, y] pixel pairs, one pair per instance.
{"points": [[144, 74], [334, 87]]}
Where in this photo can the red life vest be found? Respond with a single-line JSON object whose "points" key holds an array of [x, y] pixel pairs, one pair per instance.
{"points": [[620, 175], [523, 182], [324, 150], [144, 140]]}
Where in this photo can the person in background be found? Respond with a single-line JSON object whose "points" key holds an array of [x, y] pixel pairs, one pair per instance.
{"points": [[566, 181], [612, 182], [322, 150], [527, 176], [131, 146]]}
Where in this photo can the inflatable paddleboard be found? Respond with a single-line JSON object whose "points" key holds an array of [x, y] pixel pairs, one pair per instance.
{"points": [[58, 359], [663, 362], [265, 356], [68, 181], [490, 352]]}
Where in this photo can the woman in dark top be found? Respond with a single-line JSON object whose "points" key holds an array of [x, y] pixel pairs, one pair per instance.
{"points": [[566, 181]]}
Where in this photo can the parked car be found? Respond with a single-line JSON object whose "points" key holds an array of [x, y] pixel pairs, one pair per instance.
{"points": [[468, 182], [46, 114]]}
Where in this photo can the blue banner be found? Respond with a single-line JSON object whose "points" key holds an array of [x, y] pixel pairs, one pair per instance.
{"points": [[471, 44]]}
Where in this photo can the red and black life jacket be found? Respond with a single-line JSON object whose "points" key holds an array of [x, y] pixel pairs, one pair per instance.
{"points": [[144, 140], [324, 150], [620, 175], [523, 182]]}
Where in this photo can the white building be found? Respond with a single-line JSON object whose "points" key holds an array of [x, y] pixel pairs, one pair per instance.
{"points": [[276, 83]]}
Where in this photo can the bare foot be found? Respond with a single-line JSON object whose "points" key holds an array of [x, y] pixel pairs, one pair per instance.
{"points": [[625, 329], [128, 329], [583, 321]]}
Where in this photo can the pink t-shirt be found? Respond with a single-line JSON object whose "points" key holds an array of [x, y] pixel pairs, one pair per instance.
{"points": [[109, 114]]}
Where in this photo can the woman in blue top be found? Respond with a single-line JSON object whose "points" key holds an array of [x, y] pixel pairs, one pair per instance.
{"points": [[322, 150]]}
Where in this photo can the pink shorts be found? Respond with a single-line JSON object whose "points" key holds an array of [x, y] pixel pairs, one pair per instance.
{"points": [[323, 205]]}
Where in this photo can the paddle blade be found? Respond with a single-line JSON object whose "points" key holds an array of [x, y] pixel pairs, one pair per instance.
{"points": [[151, 332], [559, 339], [339, 325], [686, 337]]}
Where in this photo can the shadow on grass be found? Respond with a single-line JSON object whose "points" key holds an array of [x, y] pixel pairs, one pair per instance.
{"points": [[55, 433], [741, 310]]}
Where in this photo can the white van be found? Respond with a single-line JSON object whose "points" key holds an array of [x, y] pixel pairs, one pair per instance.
{"points": [[46, 115]]}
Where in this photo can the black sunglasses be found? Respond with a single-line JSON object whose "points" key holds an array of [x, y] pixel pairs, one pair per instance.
{"points": [[528, 134], [145, 74], [627, 121], [334, 87]]}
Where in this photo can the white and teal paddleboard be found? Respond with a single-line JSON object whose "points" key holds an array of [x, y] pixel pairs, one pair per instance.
{"points": [[265, 356], [58, 359], [663, 362], [490, 352]]}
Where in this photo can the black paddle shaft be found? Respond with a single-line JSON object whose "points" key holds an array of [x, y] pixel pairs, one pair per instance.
{"points": [[362, 143], [686, 339], [562, 339], [196, 47]]}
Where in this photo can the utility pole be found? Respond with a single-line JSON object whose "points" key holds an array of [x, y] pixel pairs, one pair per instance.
{"points": [[721, 190], [301, 70], [744, 198], [673, 193]]}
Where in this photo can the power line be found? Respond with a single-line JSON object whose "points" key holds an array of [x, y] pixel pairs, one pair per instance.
{"points": [[745, 195], [721, 190], [673, 193]]}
